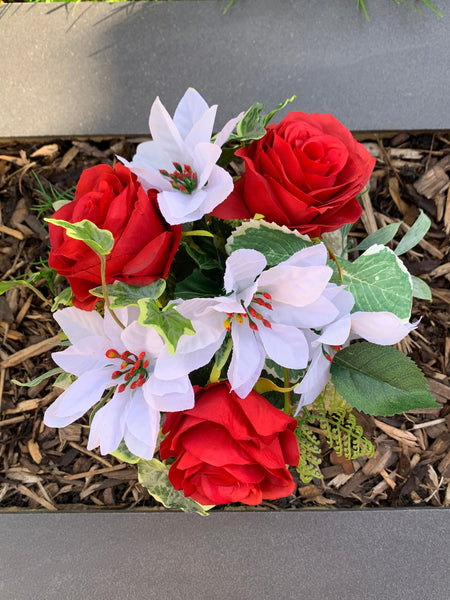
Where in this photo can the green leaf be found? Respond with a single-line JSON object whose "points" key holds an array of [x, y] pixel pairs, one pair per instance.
{"points": [[275, 242], [421, 289], [277, 108], [39, 379], [65, 298], [380, 380], [382, 236], [414, 235], [198, 285], [378, 282], [123, 294], [203, 259], [7, 285], [123, 454], [275, 370], [167, 322], [101, 241], [153, 475], [251, 126]]}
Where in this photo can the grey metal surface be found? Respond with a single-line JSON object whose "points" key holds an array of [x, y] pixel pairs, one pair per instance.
{"points": [[399, 554], [95, 68]]}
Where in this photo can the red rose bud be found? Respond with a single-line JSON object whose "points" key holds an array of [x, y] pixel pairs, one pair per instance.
{"points": [[304, 173], [230, 449], [144, 244]]}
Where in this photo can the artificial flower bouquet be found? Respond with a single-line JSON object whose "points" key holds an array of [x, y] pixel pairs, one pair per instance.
{"points": [[220, 326]]}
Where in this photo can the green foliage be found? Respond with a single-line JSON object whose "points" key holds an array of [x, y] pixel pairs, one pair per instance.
{"points": [[39, 379], [331, 413], [101, 241], [199, 285], [123, 294], [338, 423], [277, 371], [381, 236], [361, 4], [167, 322], [378, 282], [275, 242], [253, 124], [122, 453], [53, 200], [414, 235], [421, 289], [309, 449], [153, 475], [380, 380], [64, 298]]}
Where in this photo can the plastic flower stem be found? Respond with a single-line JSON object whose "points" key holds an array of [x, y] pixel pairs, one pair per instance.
{"points": [[287, 394], [334, 259], [199, 232], [105, 291]]}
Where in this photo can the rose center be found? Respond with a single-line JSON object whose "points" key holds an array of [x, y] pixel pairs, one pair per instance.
{"points": [[260, 299], [133, 369], [184, 178]]}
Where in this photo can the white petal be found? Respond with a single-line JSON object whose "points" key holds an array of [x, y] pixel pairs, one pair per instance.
{"points": [[242, 268], [247, 360], [142, 448], [315, 315], [383, 328], [202, 130], [315, 379], [83, 393], [223, 136], [189, 111], [137, 339], [193, 352], [337, 333], [297, 286], [178, 208], [285, 345], [220, 186], [78, 324], [108, 424], [142, 424], [205, 157], [169, 396], [313, 256], [86, 355], [164, 132]]}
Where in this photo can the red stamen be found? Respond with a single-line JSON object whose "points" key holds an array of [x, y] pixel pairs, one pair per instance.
{"points": [[253, 326], [111, 353], [121, 388], [266, 323], [267, 296]]}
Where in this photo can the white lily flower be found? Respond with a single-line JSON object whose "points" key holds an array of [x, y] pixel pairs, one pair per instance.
{"points": [[383, 328], [180, 161], [263, 310], [102, 356]]}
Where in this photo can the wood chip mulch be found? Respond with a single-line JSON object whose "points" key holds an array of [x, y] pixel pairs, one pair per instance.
{"points": [[42, 468]]}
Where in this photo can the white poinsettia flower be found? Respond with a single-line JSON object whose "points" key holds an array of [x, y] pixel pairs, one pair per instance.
{"points": [[383, 328], [180, 161], [103, 356], [263, 312]]}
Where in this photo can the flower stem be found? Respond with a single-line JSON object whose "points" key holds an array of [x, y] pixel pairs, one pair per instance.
{"points": [[334, 259], [105, 291], [287, 394]]}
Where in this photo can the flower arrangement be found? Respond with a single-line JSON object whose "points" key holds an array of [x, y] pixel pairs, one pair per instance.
{"points": [[218, 322]]}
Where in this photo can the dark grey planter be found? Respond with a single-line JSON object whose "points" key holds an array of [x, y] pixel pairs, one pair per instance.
{"points": [[95, 69]]}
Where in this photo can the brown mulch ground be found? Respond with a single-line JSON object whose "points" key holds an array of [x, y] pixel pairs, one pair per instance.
{"points": [[51, 469]]}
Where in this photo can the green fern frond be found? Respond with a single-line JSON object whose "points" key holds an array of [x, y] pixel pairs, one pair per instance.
{"points": [[309, 448], [338, 423]]}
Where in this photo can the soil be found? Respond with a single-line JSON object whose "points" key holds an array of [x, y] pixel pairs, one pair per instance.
{"points": [[42, 468]]}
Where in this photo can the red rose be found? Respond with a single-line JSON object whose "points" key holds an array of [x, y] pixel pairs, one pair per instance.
{"points": [[304, 173], [230, 449], [144, 244]]}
